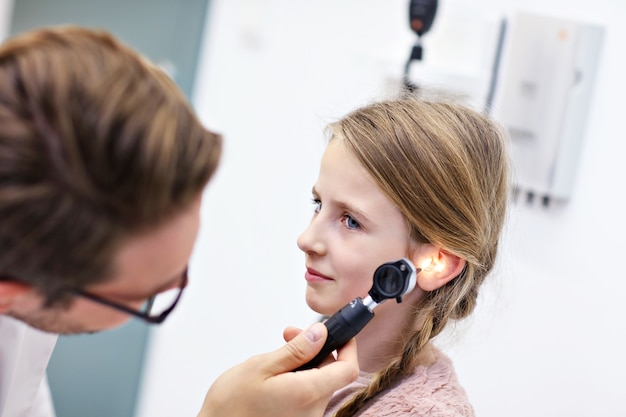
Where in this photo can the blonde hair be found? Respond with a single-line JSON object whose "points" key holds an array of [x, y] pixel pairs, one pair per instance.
{"points": [[446, 167]]}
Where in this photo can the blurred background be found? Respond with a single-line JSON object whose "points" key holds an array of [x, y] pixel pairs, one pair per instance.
{"points": [[548, 336]]}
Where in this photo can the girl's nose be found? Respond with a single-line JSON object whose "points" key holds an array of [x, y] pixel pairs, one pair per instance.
{"points": [[310, 240]]}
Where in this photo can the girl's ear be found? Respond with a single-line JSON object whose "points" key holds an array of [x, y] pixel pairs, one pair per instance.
{"points": [[9, 292], [438, 267]]}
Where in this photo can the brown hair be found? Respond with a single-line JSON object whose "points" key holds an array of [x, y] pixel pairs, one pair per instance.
{"points": [[445, 166], [96, 144]]}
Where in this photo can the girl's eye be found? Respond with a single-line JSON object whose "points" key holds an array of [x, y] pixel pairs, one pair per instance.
{"points": [[350, 222], [317, 205]]}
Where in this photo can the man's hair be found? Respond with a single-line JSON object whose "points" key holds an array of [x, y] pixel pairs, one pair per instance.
{"points": [[97, 145]]}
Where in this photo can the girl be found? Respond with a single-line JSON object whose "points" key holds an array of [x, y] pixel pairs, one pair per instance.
{"points": [[410, 178]]}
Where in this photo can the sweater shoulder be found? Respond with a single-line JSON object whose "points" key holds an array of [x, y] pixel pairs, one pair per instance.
{"points": [[433, 390]]}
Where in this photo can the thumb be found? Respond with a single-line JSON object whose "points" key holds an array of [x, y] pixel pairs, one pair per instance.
{"points": [[300, 350]]}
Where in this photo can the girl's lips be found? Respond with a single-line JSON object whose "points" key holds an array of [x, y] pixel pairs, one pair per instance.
{"points": [[311, 275]]}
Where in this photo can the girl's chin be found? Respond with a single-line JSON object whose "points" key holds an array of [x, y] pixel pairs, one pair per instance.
{"points": [[323, 309], [324, 305]]}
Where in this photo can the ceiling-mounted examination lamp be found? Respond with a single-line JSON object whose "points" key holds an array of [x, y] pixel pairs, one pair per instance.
{"points": [[421, 17]]}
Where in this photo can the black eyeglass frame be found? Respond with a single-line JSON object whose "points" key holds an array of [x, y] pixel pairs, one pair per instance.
{"points": [[144, 315]]}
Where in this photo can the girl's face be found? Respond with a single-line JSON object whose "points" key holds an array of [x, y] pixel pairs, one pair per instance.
{"points": [[355, 228]]}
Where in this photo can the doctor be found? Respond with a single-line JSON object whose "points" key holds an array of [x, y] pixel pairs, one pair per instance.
{"points": [[102, 168]]}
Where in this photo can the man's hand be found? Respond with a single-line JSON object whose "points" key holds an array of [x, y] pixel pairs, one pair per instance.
{"points": [[266, 386]]}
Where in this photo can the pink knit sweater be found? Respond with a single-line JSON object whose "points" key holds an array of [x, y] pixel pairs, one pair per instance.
{"points": [[432, 391]]}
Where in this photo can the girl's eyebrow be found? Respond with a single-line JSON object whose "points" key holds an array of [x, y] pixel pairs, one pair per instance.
{"points": [[360, 214]]}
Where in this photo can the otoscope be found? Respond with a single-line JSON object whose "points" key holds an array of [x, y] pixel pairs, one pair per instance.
{"points": [[391, 280]]}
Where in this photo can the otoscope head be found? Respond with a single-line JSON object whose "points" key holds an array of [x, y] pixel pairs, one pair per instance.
{"points": [[393, 280]]}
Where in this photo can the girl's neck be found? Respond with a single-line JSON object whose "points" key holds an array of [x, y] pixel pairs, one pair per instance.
{"points": [[383, 338]]}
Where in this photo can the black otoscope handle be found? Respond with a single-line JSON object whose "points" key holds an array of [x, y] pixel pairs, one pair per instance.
{"points": [[342, 326]]}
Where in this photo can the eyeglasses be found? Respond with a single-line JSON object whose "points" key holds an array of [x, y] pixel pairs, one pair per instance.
{"points": [[154, 311]]}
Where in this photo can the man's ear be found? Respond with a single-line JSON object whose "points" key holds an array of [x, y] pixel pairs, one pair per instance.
{"points": [[438, 267], [9, 292]]}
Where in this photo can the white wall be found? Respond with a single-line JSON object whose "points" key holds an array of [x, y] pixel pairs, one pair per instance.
{"points": [[6, 10], [548, 337]]}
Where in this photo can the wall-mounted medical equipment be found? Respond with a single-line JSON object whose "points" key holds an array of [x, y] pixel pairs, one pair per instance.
{"points": [[461, 52], [421, 16], [544, 93]]}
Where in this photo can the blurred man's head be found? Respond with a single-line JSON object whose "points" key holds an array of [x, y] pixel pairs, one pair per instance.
{"points": [[102, 167]]}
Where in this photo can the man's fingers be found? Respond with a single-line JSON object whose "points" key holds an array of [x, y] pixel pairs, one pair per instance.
{"points": [[290, 332], [298, 351], [345, 369]]}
